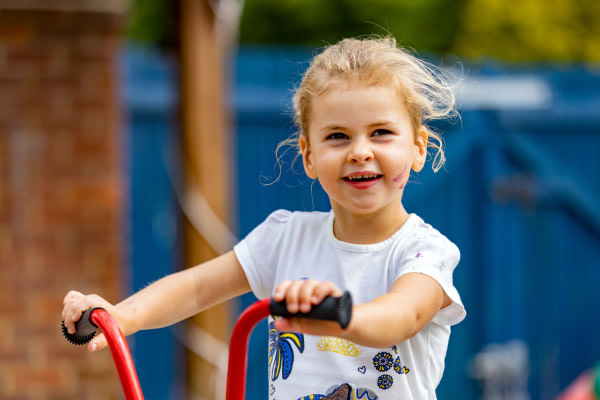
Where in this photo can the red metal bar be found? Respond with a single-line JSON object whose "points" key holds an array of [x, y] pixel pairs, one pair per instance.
{"points": [[238, 348], [120, 352]]}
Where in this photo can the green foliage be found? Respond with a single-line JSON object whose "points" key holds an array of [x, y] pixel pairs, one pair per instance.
{"points": [[428, 25], [152, 22], [524, 30], [530, 30]]}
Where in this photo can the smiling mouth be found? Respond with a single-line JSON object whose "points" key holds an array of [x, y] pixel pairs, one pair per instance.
{"points": [[362, 178]]}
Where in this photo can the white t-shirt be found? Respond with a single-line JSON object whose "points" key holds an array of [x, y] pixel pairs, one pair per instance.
{"points": [[300, 245]]}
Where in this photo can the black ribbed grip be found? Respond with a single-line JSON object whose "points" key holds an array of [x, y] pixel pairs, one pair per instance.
{"points": [[85, 330], [337, 309]]}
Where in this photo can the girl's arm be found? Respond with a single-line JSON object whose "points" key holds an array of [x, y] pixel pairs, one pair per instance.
{"points": [[166, 301], [409, 305]]}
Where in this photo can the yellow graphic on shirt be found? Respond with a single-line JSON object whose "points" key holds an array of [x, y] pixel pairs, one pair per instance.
{"points": [[338, 345]]}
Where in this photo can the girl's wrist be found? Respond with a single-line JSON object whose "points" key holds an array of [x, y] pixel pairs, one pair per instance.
{"points": [[127, 313], [352, 332]]}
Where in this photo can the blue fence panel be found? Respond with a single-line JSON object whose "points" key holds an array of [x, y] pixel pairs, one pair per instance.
{"points": [[519, 196], [149, 96], [262, 106]]}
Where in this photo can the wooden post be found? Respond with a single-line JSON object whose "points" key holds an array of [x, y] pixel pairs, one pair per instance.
{"points": [[206, 156]]}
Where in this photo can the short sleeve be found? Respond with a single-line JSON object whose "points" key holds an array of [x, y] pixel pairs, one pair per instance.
{"points": [[435, 256], [258, 252]]}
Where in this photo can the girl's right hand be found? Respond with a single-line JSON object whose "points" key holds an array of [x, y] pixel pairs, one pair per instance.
{"points": [[75, 304], [301, 296]]}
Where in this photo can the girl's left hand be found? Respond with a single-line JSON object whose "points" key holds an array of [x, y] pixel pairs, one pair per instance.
{"points": [[300, 296]]}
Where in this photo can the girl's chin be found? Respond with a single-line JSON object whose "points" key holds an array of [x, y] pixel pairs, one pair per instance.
{"points": [[368, 208], [360, 210]]}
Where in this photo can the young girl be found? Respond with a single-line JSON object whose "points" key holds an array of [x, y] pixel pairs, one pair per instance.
{"points": [[361, 110]]}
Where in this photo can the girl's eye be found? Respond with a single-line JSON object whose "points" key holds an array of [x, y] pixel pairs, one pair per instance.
{"points": [[337, 136], [381, 132]]}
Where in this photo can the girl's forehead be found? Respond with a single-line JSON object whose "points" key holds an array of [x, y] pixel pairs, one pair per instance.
{"points": [[361, 95], [352, 83], [358, 106]]}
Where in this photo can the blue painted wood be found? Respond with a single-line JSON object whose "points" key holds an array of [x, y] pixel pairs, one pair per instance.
{"points": [[519, 196], [150, 143]]}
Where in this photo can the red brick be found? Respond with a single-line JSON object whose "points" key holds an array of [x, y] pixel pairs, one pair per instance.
{"points": [[60, 196]]}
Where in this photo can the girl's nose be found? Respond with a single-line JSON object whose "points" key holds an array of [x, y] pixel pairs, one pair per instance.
{"points": [[360, 152]]}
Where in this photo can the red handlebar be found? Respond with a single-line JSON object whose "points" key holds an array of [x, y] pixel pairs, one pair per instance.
{"points": [[120, 352], [334, 309], [238, 347]]}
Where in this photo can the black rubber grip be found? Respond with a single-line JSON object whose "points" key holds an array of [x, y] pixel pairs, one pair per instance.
{"points": [[85, 330], [337, 309]]}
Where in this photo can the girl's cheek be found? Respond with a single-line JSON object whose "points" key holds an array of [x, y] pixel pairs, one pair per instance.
{"points": [[402, 177], [401, 180]]}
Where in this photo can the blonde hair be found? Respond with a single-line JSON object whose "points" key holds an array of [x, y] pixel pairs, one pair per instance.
{"points": [[426, 90]]}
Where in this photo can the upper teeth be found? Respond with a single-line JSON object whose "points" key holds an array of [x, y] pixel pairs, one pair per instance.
{"points": [[357, 177]]}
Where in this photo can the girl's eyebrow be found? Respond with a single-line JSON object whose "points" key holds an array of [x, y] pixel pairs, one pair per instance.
{"points": [[334, 127], [382, 123]]}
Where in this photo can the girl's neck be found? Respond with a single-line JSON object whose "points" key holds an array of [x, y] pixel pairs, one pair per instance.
{"points": [[367, 228]]}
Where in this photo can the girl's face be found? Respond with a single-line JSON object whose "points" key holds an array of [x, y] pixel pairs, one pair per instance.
{"points": [[361, 146]]}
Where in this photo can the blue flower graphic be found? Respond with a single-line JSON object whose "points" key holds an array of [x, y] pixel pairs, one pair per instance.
{"points": [[383, 361], [281, 353], [385, 381]]}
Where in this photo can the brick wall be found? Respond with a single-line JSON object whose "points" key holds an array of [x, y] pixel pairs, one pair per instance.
{"points": [[61, 194]]}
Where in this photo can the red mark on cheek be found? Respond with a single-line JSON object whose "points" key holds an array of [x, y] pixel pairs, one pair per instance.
{"points": [[400, 178]]}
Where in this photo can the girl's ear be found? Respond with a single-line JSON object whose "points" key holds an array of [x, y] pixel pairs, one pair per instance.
{"points": [[420, 149], [307, 160]]}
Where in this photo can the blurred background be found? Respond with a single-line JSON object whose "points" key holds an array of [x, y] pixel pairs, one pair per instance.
{"points": [[138, 138]]}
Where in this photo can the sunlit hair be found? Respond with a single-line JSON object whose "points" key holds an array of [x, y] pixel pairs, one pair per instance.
{"points": [[427, 91]]}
